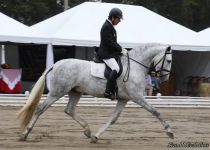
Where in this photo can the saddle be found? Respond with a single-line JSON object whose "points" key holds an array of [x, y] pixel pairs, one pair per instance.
{"points": [[108, 70]]}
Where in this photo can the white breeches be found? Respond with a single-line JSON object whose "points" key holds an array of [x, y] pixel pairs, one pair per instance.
{"points": [[111, 62]]}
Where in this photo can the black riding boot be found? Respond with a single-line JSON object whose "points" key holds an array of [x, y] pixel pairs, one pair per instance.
{"points": [[111, 85]]}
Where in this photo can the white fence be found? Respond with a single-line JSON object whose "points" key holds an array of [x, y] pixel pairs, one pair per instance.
{"points": [[162, 101]]}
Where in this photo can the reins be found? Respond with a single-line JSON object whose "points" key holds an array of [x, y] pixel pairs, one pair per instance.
{"points": [[138, 62], [127, 73]]}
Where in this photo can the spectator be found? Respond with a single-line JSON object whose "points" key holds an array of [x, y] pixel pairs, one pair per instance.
{"points": [[155, 84], [148, 85], [5, 66]]}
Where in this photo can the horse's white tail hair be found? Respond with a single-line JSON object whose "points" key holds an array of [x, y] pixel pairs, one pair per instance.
{"points": [[26, 112]]}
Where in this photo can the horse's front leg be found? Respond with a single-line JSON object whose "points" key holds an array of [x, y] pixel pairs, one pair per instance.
{"points": [[118, 109], [70, 110], [142, 102]]}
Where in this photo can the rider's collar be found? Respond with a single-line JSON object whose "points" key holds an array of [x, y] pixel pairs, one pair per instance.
{"points": [[110, 22]]}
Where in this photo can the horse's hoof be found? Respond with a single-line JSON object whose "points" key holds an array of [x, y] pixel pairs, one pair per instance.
{"points": [[93, 139], [87, 133], [170, 135], [22, 137]]}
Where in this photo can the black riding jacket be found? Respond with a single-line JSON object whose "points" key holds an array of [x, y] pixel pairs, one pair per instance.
{"points": [[109, 48]]}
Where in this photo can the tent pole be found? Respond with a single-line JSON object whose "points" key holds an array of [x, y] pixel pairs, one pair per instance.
{"points": [[66, 5], [3, 60], [49, 62]]}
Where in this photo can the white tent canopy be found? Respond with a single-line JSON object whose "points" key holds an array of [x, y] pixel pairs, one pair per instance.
{"points": [[204, 35], [14, 31], [81, 25], [192, 63]]}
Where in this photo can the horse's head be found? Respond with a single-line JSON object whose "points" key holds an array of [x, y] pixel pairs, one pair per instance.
{"points": [[162, 64]]}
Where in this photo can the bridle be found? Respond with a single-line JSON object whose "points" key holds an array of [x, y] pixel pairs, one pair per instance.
{"points": [[167, 52]]}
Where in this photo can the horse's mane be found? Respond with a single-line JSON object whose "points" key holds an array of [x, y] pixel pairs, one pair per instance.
{"points": [[142, 49]]}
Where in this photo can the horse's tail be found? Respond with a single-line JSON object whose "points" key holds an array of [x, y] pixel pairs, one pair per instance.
{"points": [[26, 112]]}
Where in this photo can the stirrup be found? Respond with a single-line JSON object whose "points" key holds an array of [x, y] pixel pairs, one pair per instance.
{"points": [[110, 95]]}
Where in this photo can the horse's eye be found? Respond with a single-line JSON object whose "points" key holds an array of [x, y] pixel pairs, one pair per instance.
{"points": [[169, 61]]}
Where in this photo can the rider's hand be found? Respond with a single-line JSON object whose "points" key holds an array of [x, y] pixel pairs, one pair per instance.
{"points": [[124, 51]]}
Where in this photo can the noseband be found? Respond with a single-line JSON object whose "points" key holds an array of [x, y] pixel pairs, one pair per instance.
{"points": [[162, 65]]}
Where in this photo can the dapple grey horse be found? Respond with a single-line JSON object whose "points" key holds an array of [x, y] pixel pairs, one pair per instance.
{"points": [[73, 77]]}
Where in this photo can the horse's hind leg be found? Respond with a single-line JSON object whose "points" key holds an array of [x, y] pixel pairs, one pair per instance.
{"points": [[70, 110], [39, 110], [142, 102]]}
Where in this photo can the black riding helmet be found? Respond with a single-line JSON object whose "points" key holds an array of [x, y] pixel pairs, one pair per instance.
{"points": [[116, 12]]}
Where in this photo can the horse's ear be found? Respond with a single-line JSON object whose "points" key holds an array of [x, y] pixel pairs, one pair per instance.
{"points": [[168, 48]]}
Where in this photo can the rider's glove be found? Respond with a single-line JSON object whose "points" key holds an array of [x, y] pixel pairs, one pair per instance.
{"points": [[124, 51]]}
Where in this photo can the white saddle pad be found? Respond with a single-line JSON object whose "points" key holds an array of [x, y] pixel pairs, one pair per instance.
{"points": [[97, 69]]}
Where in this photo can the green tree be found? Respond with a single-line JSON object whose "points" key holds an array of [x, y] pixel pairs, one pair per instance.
{"points": [[193, 14], [30, 11]]}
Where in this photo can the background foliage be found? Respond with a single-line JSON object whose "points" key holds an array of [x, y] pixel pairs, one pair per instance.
{"points": [[193, 14]]}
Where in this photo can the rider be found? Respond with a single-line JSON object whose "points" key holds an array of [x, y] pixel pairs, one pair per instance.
{"points": [[110, 50]]}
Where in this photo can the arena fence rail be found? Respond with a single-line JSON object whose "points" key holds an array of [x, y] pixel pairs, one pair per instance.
{"points": [[86, 100]]}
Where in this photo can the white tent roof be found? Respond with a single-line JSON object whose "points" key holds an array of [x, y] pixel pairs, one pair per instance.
{"points": [[204, 35], [81, 26], [14, 31]]}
